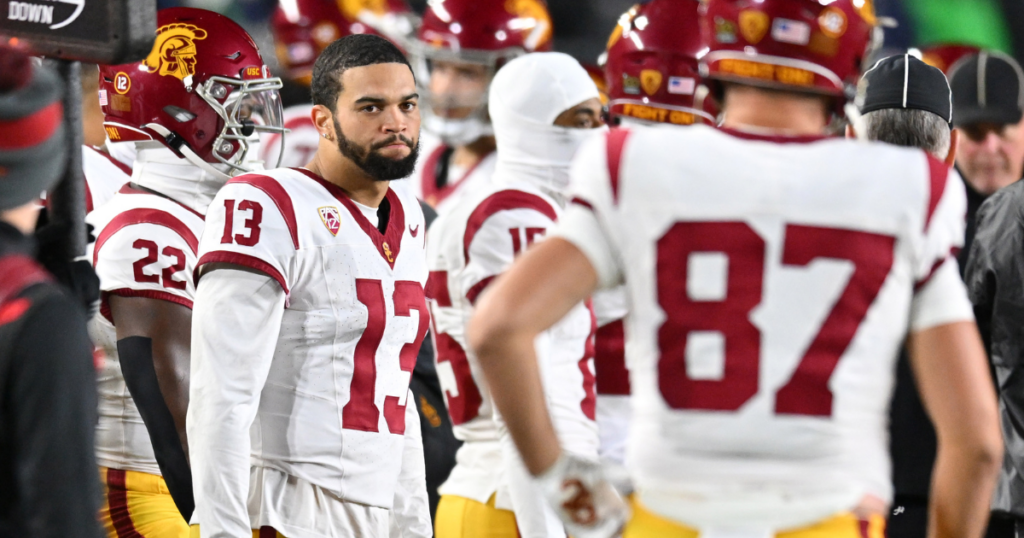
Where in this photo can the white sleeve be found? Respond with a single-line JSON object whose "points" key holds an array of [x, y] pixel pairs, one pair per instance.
{"points": [[235, 325], [534, 516], [941, 300], [255, 233], [410, 512], [940, 296], [585, 222]]}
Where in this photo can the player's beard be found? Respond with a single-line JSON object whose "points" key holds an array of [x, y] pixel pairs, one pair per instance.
{"points": [[379, 167]]}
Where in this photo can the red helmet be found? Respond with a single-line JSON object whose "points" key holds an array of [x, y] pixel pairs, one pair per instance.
{"points": [[651, 65], [203, 91], [482, 32], [816, 46], [944, 56], [304, 28]]}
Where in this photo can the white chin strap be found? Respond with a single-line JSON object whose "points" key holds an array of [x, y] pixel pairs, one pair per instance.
{"points": [[856, 120], [186, 151]]}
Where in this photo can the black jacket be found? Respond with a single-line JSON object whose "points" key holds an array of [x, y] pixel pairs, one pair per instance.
{"points": [[49, 483], [995, 283]]}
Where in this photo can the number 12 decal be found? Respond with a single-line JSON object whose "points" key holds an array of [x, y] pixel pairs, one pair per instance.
{"points": [[806, 392]]}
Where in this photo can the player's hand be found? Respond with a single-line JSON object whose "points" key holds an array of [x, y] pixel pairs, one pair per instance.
{"points": [[583, 498]]}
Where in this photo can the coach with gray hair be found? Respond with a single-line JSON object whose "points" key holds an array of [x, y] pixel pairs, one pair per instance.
{"points": [[906, 102], [992, 118]]}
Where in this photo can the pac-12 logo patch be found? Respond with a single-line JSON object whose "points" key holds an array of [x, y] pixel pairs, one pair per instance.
{"points": [[331, 218]]}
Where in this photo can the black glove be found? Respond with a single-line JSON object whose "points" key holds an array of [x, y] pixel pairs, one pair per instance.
{"points": [[77, 276]]}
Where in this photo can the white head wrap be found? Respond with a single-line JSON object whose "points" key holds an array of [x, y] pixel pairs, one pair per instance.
{"points": [[158, 168], [526, 96]]}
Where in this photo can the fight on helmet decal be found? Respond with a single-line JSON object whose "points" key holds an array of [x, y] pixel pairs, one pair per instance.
{"points": [[174, 53]]}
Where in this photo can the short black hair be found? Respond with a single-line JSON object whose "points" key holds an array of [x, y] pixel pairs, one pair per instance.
{"points": [[356, 50]]}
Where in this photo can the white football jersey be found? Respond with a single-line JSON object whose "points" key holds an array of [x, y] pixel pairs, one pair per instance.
{"points": [[103, 175], [469, 246], [332, 410], [771, 282], [613, 407], [460, 184], [145, 247], [300, 142]]}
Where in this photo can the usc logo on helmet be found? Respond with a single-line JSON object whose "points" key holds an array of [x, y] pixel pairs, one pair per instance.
{"points": [[540, 32], [174, 53]]}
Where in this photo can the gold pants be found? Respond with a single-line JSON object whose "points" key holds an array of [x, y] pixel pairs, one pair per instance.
{"points": [[645, 524], [139, 504], [459, 517]]}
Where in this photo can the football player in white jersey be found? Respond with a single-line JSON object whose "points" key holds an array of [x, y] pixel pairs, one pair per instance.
{"points": [[651, 73], [309, 314], [105, 169], [302, 29], [106, 165], [772, 274], [461, 45], [190, 120], [474, 243]]}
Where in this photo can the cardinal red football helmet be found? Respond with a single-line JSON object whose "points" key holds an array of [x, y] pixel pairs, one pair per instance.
{"points": [[944, 56], [304, 28], [651, 66], [816, 46], [486, 33], [203, 91]]}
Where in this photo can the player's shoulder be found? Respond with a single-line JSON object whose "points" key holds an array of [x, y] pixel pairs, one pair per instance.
{"points": [[132, 205], [506, 200], [95, 159]]}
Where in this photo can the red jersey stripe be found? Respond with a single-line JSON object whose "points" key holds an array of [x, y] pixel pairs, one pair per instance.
{"points": [[616, 140], [244, 260], [144, 216], [281, 199], [502, 201]]}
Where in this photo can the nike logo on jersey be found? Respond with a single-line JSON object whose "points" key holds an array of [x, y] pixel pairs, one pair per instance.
{"points": [[415, 230]]}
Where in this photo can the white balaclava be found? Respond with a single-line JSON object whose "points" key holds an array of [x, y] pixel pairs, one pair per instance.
{"points": [[526, 96], [157, 168]]}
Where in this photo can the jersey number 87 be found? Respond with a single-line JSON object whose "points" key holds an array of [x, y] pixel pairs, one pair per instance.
{"points": [[807, 391]]}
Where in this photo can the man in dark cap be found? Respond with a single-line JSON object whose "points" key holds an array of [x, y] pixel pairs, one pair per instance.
{"points": [[48, 481], [991, 90], [906, 102], [988, 99]]}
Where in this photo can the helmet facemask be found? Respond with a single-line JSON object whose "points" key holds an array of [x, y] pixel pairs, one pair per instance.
{"points": [[458, 118], [248, 107]]}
